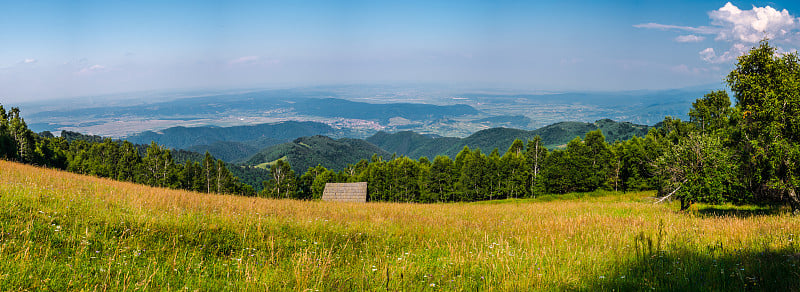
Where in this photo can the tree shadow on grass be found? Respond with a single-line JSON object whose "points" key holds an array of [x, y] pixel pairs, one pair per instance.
{"points": [[739, 212], [716, 269]]}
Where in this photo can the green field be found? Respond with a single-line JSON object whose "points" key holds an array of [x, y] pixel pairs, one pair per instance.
{"points": [[62, 231]]}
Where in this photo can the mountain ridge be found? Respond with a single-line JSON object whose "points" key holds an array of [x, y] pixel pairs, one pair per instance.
{"points": [[553, 136]]}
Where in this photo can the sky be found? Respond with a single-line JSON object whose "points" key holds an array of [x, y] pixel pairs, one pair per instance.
{"points": [[57, 49]]}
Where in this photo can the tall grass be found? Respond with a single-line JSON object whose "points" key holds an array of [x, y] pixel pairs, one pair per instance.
{"points": [[61, 231]]}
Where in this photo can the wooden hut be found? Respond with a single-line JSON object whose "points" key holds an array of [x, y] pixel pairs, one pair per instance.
{"points": [[345, 192]]}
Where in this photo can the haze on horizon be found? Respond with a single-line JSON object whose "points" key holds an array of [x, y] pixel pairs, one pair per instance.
{"points": [[56, 49]]}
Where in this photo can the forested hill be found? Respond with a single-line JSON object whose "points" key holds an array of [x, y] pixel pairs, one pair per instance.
{"points": [[554, 136], [306, 152], [251, 176], [261, 135]]}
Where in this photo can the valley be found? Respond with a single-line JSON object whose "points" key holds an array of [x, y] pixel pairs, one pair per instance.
{"points": [[359, 111]]}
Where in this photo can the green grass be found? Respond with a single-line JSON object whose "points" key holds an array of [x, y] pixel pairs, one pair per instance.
{"points": [[60, 231], [267, 165]]}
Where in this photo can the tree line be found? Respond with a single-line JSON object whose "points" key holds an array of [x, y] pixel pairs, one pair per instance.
{"points": [[525, 170]]}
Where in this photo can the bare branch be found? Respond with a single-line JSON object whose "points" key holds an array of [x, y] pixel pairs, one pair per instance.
{"points": [[668, 195]]}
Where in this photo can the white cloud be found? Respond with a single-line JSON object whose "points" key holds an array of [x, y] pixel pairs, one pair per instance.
{"points": [[741, 29], [700, 29], [736, 50], [708, 55], [92, 69], [29, 61], [254, 61], [244, 60], [751, 26], [689, 38]]}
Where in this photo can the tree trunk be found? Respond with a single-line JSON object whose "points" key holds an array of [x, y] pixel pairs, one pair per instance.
{"points": [[794, 201], [685, 203]]}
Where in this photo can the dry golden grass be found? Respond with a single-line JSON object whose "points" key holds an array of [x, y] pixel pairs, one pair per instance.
{"points": [[195, 240]]}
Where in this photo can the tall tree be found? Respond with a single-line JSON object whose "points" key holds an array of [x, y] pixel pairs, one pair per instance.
{"points": [[767, 90], [8, 146], [443, 178], [535, 155], [283, 183], [712, 112], [209, 171], [514, 171]]}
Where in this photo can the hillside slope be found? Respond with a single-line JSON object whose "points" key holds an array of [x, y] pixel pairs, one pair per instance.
{"points": [[306, 152], [555, 135], [65, 232]]}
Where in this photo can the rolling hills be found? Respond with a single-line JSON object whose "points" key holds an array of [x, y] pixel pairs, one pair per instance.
{"points": [[336, 154], [415, 145]]}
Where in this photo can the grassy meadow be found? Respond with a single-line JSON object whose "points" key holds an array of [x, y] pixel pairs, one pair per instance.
{"points": [[62, 231]]}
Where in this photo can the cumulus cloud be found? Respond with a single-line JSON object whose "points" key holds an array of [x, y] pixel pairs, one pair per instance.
{"points": [[740, 29], [29, 61], [689, 38], [709, 55], [750, 26]]}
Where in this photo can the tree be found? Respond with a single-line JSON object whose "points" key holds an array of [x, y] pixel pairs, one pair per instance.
{"points": [[698, 169], [473, 180], [767, 90], [305, 183], [209, 171], [8, 147], [514, 171], [128, 163], [712, 112], [615, 166], [226, 183], [535, 155], [159, 166], [443, 178], [601, 156], [554, 176], [283, 183], [14, 130], [318, 186], [637, 156]]}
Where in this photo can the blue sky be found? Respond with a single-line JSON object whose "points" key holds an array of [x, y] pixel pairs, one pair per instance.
{"points": [[73, 48]]}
